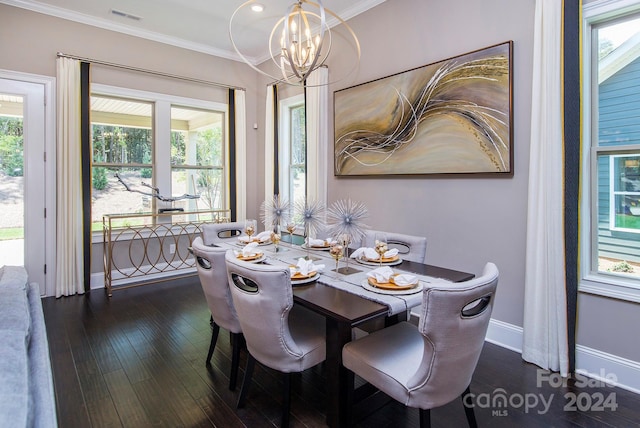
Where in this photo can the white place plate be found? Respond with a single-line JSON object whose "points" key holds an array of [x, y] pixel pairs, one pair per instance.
{"points": [[312, 248], [365, 284], [373, 263], [295, 282]]}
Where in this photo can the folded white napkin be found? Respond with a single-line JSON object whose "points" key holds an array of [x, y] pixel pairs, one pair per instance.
{"points": [[305, 266], [405, 279], [369, 253], [312, 242], [264, 236], [248, 250], [364, 253], [390, 253], [383, 274], [260, 237]]}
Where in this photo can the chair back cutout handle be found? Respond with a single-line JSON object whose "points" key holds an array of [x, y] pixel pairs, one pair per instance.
{"points": [[402, 247], [244, 284], [229, 233], [475, 307], [204, 263]]}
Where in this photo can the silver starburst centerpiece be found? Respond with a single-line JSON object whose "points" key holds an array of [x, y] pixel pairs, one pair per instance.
{"points": [[310, 214], [274, 212], [346, 217]]}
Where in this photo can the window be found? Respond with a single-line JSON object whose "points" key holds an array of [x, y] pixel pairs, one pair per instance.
{"points": [[611, 231], [292, 150], [122, 149], [135, 150], [197, 157]]}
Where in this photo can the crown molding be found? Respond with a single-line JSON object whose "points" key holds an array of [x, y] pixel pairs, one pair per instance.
{"points": [[119, 28], [105, 24]]}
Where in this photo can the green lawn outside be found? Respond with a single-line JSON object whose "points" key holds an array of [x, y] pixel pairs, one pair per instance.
{"points": [[117, 224], [9, 233]]}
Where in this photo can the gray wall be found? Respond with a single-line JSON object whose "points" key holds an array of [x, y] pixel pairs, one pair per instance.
{"points": [[468, 221]]}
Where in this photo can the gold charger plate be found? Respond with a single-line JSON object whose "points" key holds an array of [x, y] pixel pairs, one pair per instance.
{"points": [[416, 289], [302, 280], [389, 261], [249, 258], [297, 276], [390, 285], [257, 241], [385, 259], [316, 247]]}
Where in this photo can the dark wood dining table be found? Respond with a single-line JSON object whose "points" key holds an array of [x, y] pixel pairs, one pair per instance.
{"points": [[343, 311]]}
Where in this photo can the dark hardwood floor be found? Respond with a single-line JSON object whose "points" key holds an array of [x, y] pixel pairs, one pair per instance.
{"points": [[137, 360]]}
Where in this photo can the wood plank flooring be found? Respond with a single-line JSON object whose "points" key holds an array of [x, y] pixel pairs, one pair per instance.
{"points": [[137, 360]]}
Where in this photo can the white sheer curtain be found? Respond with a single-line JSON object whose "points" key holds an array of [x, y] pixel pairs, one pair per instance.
{"points": [[241, 154], [269, 141], [545, 336], [69, 249], [317, 111]]}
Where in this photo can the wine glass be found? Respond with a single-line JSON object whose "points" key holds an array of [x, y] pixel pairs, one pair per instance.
{"points": [[275, 239], [380, 240], [291, 227], [250, 227], [336, 251], [345, 240]]}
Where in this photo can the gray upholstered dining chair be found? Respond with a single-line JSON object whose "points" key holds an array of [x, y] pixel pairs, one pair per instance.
{"points": [[212, 272], [410, 247], [279, 335], [429, 365], [220, 232]]}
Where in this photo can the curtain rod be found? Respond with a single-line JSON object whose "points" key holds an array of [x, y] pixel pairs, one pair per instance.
{"points": [[142, 70]]}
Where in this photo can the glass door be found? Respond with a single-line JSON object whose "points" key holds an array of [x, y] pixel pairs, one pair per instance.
{"points": [[22, 177]]}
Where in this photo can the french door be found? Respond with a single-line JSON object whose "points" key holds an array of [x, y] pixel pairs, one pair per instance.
{"points": [[23, 225]]}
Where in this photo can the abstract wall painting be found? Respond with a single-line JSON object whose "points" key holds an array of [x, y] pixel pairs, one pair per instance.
{"points": [[450, 117]]}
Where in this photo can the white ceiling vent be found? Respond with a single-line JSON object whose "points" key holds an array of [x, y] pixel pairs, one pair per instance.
{"points": [[125, 14]]}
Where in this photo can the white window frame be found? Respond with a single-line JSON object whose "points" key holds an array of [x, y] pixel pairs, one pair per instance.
{"points": [[591, 280], [284, 144], [162, 132]]}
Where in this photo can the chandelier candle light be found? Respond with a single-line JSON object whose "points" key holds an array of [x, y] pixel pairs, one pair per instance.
{"points": [[300, 41]]}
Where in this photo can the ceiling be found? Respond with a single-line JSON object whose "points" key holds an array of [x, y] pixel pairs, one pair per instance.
{"points": [[199, 25]]}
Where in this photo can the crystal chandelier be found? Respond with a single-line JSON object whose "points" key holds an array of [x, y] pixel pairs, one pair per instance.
{"points": [[300, 41]]}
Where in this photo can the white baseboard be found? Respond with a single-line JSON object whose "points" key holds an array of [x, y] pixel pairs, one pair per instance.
{"points": [[97, 278], [504, 334], [603, 366], [590, 362]]}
